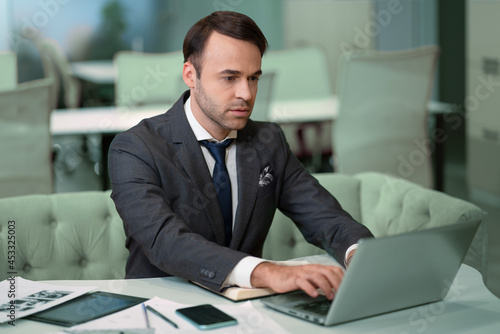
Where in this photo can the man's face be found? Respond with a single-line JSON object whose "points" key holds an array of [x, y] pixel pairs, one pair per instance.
{"points": [[223, 97]]}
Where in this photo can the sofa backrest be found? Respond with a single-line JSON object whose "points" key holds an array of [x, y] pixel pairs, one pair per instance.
{"points": [[392, 206], [62, 236], [81, 236], [386, 205]]}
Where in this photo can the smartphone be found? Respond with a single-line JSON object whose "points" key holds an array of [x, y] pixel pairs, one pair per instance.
{"points": [[206, 316]]}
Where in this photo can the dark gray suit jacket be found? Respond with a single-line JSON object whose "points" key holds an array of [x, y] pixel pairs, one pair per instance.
{"points": [[164, 193]]}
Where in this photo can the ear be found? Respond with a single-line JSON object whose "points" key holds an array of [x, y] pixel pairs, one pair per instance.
{"points": [[189, 74]]}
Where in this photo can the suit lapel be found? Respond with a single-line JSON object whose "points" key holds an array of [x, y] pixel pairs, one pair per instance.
{"points": [[191, 158], [248, 163]]}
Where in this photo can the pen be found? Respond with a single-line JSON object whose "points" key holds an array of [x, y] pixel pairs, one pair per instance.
{"points": [[162, 316], [145, 315]]}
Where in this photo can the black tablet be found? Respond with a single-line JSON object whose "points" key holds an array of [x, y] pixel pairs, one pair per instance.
{"points": [[85, 308]]}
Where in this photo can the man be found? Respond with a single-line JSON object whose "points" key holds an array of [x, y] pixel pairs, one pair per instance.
{"points": [[160, 172]]}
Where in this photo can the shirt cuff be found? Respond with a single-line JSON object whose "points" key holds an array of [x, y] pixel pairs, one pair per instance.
{"points": [[241, 273], [348, 251]]}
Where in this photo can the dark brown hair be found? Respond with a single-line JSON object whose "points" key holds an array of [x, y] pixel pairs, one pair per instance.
{"points": [[232, 24]]}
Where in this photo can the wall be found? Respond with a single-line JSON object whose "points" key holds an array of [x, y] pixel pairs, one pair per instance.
{"points": [[414, 26], [180, 15]]}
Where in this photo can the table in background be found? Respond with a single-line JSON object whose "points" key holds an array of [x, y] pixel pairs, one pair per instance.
{"points": [[95, 71], [317, 109], [111, 120], [468, 308], [105, 121]]}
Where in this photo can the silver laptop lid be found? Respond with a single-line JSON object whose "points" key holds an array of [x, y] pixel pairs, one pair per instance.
{"points": [[401, 271], [389, 274]]}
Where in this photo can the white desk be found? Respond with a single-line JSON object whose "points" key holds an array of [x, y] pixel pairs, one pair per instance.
{"points": [[111, 120], [326, 109], [468, 308], [95, 71], [314, 110], [114, 119]]}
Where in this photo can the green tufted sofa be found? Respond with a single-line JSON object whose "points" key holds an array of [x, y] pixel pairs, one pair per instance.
{"points": [[80, 235], [63, 236], [387, 206]]}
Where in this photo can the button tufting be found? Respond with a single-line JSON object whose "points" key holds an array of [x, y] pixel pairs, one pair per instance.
{"points": [[27, 268], [292, 242], [83, 262]]}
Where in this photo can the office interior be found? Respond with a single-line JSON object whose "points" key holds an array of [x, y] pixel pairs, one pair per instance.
{"points": [[466, 32]]}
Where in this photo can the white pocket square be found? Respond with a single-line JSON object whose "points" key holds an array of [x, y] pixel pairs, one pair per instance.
{"points": [[266, 176]]}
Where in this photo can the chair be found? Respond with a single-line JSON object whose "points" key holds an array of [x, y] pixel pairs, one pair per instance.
{"points": [[300, 74], [56, 66], [8, 70], [262, 103], [387, 206], [77, 235], [382, 116], [147, 78], [25, 140]]}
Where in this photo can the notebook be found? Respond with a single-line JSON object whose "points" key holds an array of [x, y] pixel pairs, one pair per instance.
{"points": [[388, 274]]}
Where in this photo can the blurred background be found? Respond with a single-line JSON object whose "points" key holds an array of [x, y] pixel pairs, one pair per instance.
{"points": [[96, 30], [465, 79]]}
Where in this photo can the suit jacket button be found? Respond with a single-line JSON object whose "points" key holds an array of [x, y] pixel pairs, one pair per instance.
{"points": [[211, 275]]}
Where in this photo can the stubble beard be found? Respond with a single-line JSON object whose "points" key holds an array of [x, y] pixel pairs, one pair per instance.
{"points": [[217, 113]]}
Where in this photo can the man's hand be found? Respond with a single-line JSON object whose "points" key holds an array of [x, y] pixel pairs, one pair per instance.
{"points": [[308, 278]]}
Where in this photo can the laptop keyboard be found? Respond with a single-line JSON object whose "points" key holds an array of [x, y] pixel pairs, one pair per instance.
{"points": [[318, 307]]}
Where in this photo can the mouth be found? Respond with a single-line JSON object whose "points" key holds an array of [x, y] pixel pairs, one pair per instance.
{"points": [[240, 111]]}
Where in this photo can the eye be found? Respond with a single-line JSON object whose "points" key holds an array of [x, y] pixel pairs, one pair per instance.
{"points": [[253, 79], [229, 78]]}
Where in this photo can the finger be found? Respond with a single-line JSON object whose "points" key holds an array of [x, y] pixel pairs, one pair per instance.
{"points": [[306, 286], [335, 276], [323, 282], [316, 277], [327, 279]]}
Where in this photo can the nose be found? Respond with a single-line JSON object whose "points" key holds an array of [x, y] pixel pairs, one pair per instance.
{"points": [[244, 90]]}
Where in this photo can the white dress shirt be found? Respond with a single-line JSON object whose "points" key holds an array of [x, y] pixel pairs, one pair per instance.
{"points": [[242, 272]]}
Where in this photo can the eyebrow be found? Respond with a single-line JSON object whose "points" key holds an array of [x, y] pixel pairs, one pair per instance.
{"points": [[234, 72]]}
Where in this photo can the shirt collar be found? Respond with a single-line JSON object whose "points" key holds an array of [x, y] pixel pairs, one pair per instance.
{"points": [[199, 131]]}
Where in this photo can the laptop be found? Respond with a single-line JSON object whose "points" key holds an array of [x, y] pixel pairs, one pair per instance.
{"points": [[387, 274]]}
